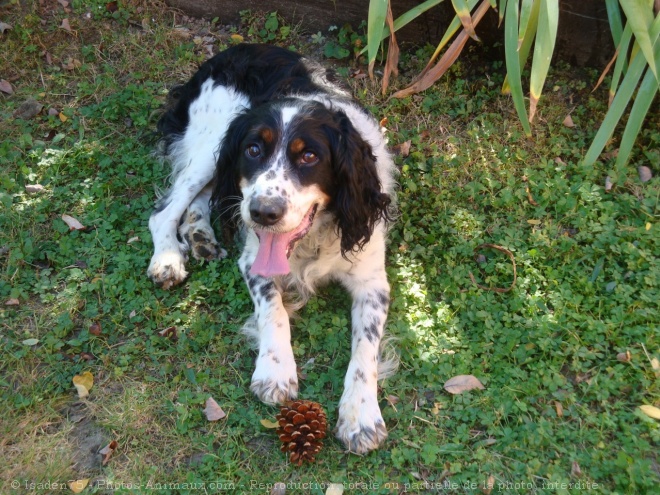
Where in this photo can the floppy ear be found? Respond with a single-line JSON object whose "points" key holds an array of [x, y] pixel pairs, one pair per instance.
{"points": [[358, 202], [226, 195]]}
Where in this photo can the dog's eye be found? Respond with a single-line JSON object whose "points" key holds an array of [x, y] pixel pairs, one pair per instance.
{"points": [[308, 158], [253, 151]]}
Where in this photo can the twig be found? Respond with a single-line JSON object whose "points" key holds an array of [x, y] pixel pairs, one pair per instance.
{"points": [[510, 255]]}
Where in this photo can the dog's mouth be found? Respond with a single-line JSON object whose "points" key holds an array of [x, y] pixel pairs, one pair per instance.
{"points": [[275, 248]]}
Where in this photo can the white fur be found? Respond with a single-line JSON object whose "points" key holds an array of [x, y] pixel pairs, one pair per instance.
{"points": [[193, 160]]}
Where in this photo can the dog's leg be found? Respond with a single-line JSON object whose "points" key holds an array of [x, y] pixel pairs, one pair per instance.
{"points": [[196, 228], [275, 379], [167, 267], [360, 426]]}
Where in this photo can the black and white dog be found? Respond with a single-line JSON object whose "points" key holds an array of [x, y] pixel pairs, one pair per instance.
{"points": [[290, 160]]}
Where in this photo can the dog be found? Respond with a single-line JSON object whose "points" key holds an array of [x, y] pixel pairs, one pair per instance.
{"points": [[276, 144]]}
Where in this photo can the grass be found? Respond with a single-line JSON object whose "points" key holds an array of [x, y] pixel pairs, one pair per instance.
{"points": [[559, 413]]}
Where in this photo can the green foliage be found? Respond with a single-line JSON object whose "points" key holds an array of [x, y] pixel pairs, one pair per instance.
{"points": [[535, 22], [266, 28], [346, 43], [556, 395]]}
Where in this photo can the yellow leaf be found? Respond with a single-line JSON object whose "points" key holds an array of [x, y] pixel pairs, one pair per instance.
{"points": [[83, 383], [78, 485], [236, 38], [63, 117], [648, 225], [651, 411], [267, 423], [534, 222]]}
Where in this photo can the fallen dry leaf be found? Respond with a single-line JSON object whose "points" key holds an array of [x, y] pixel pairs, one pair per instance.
{"points": [[645, 173], [575, 470], [65, 25], [4, 26], [132, 240], [489, 485], [650, 411], [402, 149], [462, 383], [34, 188], [78, 485], [624, 357], [560, 409], [335, 489], [279, 488], [111, 7], [6, 87], [83, 383], [608, 184], [655, 363], [12, 302], [568, 121], [30, 342], [213, 411], [267, 423], [73, 223], [169, 333], [95, 328], [107, 451]]}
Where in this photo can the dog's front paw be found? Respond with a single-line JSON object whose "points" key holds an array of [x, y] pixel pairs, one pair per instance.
{"points": [[204, 245], [167, 269], [275, 380], [360, 426]]}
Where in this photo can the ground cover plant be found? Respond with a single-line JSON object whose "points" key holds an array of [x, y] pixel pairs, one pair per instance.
{"points": [[566, 357]]}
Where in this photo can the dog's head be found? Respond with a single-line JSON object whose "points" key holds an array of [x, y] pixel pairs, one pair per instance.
{"points": [[284, 162]]}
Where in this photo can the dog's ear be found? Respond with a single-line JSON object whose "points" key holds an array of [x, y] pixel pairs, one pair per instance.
{"points": [[226, 195], [359, 202]]}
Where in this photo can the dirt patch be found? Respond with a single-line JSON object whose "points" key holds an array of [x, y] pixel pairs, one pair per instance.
{"points": [[86, 439]]}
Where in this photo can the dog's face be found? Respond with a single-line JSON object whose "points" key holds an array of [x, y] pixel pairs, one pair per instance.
{"points": [[288, 160], [285, 166]]}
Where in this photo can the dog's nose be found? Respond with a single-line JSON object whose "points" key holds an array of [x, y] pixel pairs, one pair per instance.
{"points": [[267, 211]]}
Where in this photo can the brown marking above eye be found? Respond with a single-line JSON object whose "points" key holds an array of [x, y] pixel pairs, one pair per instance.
{"points": [[267, 135], [297, 145]]}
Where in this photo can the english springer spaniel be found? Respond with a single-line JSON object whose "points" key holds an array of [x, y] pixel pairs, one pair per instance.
{"points": [[290, 161]]}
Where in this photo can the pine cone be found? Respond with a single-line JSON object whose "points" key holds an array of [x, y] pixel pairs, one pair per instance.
{"points": [[302, 427]]}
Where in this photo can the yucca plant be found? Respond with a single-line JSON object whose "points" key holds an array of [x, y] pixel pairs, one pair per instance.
{"points": [[533, 24]]}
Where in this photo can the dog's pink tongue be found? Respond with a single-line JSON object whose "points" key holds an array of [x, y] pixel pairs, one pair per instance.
{"points": [[271, 258]]}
